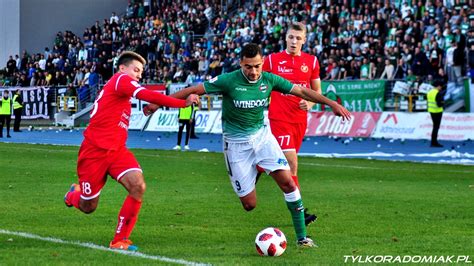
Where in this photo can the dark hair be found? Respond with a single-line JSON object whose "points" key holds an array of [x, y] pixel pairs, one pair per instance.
{"points": [[250, 50], [128, 56]]}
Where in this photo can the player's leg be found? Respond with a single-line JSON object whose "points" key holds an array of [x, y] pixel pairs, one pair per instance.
{"points": [[242, 172], [298, 134], [92, 173], [271, 158], [287, 137], [126, 170]]}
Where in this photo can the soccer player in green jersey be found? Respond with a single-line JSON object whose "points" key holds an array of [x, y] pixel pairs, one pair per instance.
{"points": [[247, 141]]}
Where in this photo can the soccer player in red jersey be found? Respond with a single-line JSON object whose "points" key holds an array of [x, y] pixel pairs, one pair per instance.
{"points": [[288, 113], [103, 151]]}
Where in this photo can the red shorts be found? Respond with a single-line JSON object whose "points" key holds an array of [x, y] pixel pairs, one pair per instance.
{"points": [[95, 163], [288, 135]]}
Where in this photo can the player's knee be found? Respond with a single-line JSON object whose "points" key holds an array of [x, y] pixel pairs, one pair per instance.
{"points": [[87, 207], [288, 186], [249, 206], [141, 187], [138, 189]]}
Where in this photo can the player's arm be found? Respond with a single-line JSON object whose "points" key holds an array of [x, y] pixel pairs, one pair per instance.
{"points": [[315, 86], [163, 100], [182, 94], [313, 96]]}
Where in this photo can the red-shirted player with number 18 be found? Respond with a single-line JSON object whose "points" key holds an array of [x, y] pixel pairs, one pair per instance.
{"points": [[103, 151], [288, 113]]}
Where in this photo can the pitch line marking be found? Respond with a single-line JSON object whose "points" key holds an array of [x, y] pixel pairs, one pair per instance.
{"points": [[103, 248]]}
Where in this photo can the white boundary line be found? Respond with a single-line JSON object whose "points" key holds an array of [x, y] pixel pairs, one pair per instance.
{"points": [[97, 247]]}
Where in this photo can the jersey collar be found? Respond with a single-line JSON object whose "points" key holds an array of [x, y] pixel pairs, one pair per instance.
{"points": [[250, 81], [286, 51]]}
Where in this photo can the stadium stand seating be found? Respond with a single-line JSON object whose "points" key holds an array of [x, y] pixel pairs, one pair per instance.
{"points": [[186, 41]]}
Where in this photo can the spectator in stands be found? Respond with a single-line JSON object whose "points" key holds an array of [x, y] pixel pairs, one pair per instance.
{"points": [[11, 66], [471, 62], [93, 84], [352, 30], [389, 71]]}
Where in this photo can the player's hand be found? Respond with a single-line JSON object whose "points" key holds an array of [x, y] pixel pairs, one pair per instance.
{"points": [[150, 109], [192, 99], [305, 105], [339, 110]]}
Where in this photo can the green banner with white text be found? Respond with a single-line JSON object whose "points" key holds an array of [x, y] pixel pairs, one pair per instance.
{"points": [[356, 96]]}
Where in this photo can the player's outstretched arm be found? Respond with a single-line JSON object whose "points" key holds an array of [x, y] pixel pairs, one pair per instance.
{"points": [[313, 96], [163, 100], [182, 94]]}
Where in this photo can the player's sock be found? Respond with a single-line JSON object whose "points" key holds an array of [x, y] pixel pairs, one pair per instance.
{"points": [[295, 178], [127, 218], [295, 205]]}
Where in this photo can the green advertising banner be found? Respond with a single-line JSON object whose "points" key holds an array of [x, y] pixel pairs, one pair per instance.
{"points": [[356, 96]]}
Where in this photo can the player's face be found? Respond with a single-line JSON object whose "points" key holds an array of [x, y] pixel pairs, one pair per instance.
{"points": [[252, 67], [294, 41], [134, 69]]}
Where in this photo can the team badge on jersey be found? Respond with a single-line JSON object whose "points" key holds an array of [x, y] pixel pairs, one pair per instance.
{"points": [[304, 68], [263, 88]]}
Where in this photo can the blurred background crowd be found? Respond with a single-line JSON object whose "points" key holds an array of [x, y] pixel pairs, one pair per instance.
{"points": [[191, 41]]}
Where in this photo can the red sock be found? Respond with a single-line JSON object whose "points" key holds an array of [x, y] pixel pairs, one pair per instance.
{"points": [[295, 178], [74, 198], [127, 218]]}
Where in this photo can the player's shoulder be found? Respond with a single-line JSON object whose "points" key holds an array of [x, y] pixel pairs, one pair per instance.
{"points": [[306, 55], [223, 78], [270, 76]]}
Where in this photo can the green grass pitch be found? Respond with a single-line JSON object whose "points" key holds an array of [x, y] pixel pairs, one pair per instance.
{"points": [[191, 213]]}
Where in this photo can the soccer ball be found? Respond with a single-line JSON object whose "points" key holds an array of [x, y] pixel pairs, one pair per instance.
{"points": [[270, 242]]}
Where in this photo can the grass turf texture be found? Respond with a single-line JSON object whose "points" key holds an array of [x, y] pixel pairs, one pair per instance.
{"points": [[190, 211]]}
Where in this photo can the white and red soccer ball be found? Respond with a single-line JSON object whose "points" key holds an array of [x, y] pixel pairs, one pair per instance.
{"points": [[270, 242]]}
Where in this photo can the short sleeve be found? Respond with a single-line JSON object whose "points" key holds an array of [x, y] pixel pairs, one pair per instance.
{"points": [[217, 84]]}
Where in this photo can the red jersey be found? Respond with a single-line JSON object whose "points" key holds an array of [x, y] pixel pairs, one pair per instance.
{"points": [[299, 70], [108, 127]]}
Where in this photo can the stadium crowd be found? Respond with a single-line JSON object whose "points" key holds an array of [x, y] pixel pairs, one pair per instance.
{"points": [[192, 41]]}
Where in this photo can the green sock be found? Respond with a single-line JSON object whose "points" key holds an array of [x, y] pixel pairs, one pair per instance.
{"points": [[297, 215]]}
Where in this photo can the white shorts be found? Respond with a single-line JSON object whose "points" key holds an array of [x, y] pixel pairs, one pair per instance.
{"points": [[242, 159]]}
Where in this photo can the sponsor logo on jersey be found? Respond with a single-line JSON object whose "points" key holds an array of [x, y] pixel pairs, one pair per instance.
{"points": [[263, 88], [282, 161], [282, 62], [304, 68], [214, 79], [282, 69], [251, 103], [240, 89]]}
